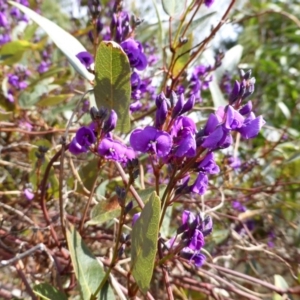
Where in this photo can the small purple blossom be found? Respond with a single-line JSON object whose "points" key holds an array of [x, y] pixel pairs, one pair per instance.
{"points": [[208, 164], [85, 58], [115, 150], [83, 139], [134, 51], [28, 193], [200, 185], [111, 122], [135, 218], [151, 140], [238, 206], [251, 126]]}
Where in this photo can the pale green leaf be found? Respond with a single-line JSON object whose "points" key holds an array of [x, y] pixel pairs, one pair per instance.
{"points": [[112, 82], [54, 100], [173, 7], [67, 43], [279, 282], [144, 243], [48, 292], [88, 271]]}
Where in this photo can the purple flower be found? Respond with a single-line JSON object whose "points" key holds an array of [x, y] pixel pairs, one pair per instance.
{"points": [[134, 51], [208, 164], [85, 58], [114, 150], [181, 107], [4, 38], [3, 20], [151, 140], [183, 133], [81, 142], [246, 109], [111, 122], [161, 114], [43, 67], [238, 206], [251, 126], [219, 138], [28, 193], [200, 185], [234, 162], [196, 257], [135, 218], [209, 3], [233, 119]]}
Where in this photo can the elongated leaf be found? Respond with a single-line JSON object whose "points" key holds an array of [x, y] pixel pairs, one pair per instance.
{"points": [[54, 100], [88, 271], [67, 43], [144, 243], [112, 86], [48, 292], [173, 7]]}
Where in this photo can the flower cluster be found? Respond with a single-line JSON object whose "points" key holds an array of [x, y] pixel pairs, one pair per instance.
{"points": [[17, 81], [99, 134], [9, 16], [193, 231]]}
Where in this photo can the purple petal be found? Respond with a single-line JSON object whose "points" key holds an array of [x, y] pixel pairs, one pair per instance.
{"points": [[197, 241], [234, 119], [200, 185], [214, 138], [85, 58], [252, 128]]}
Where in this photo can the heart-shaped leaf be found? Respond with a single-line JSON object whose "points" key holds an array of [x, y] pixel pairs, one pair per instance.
{"points": [[144, 243]]}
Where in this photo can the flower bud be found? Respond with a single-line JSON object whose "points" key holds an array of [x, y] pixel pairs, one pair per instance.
{"points": [[111, 122]]}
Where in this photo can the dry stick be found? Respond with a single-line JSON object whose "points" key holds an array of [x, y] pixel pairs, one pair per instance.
{"points": [[167, 283], [249, 278], [16, 129], [230, 285], [87, 205], [27, 285], [131, 188], [61, 167], [17, 212], [204, 42], [38, 247], [43, 200]]}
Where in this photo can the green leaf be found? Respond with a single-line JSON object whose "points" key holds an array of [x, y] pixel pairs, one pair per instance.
{"points": [[54, 100], [87, 269], [183, 59], [14, 47], [67, 43], [12, 52], [48, 292], [112, 83], [104, 211], [173, 7], [279, 282], [144, 243]]}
